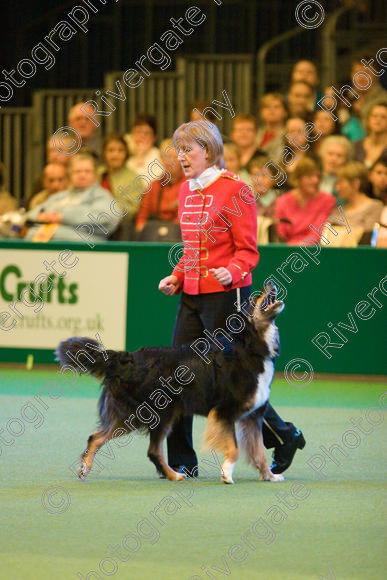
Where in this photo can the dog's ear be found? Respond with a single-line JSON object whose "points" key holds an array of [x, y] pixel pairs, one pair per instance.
{"points": [[254, 296], [266, 296], [258, 299]]}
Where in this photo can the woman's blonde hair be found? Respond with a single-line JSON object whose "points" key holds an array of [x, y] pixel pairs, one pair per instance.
{"points": [[305, 166], [337, 140], [352, 171], [205, 134]]}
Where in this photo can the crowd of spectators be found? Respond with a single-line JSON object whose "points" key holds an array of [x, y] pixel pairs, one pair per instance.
{"points": [[300, 177]]}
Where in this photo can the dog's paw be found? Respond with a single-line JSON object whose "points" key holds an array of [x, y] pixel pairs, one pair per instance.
{"points": [[175, 476], [227, 480], [269, 476], [83, 471]]}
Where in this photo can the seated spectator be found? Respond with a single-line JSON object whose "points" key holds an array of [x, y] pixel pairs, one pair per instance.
{"points": [[297, 143], [204, 107], [273, 112], [300, 99], [62, 212], [141, 143], [232, 160], [377, 177], [325, 125], [303, 206], [244, 134], [372, 147], [360, 210], [335, 151], [348, 117], [55, 179], [114, 174], [159, 207], [370, 94], [350, 124], [86, 129], [54, 155], [263, 185], [7, 201], [59, 153], [306, 70], [117, 178]]}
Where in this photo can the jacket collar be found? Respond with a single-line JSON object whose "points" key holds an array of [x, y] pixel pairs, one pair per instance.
{"points": [[208, 176]]}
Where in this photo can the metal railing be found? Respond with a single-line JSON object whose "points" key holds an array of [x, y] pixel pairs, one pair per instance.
{"points": [[329, 44], [326, 35], [15, 147], [262, 54], [208, 75], [161, 95]]}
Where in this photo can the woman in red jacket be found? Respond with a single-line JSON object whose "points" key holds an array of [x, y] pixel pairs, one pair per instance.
{"points": [[218, 220]]}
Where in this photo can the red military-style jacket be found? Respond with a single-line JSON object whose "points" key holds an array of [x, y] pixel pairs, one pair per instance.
{"points": [[219, 228]]}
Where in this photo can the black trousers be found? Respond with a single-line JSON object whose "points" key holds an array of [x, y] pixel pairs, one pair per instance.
{"points": [[210, 311]]}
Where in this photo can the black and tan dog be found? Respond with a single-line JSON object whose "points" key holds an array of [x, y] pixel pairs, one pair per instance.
{"points": [[233, 387]]}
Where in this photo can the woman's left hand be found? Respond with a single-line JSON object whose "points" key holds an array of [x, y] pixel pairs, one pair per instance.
{"points": [[222, 275]]}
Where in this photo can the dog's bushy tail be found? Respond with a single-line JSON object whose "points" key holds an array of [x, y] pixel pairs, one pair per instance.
{"points": [[86, 355]]}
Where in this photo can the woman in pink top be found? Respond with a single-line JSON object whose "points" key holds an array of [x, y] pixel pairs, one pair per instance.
{"points": [[303, 206]]}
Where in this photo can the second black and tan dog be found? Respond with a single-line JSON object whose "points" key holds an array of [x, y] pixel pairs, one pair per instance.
{"points": [[233, 387]]}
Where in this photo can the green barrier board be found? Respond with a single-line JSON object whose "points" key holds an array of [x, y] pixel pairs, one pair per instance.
{"points": [[340, 292]]}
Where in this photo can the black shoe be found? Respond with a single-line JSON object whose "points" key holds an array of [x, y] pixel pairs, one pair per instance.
{"points": [[190, 471], [283, 455]]}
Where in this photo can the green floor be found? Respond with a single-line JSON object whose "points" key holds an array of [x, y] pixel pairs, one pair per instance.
{"points": [[335, 529]]}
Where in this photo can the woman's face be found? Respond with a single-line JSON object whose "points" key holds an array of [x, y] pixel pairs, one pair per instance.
{"points": [[244, 134], [294, 132], [231, 160], [308, 184], [261, 182], [334, 157], [273, 112], [345, 188], [143, 136], [83, 174], [115, 155], [299, 99], [378, 176], [324, 123], [377, 120], [193, 159], [305, 71]]}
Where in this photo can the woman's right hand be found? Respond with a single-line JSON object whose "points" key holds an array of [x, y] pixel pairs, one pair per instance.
{"points": [[169, 285]]}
